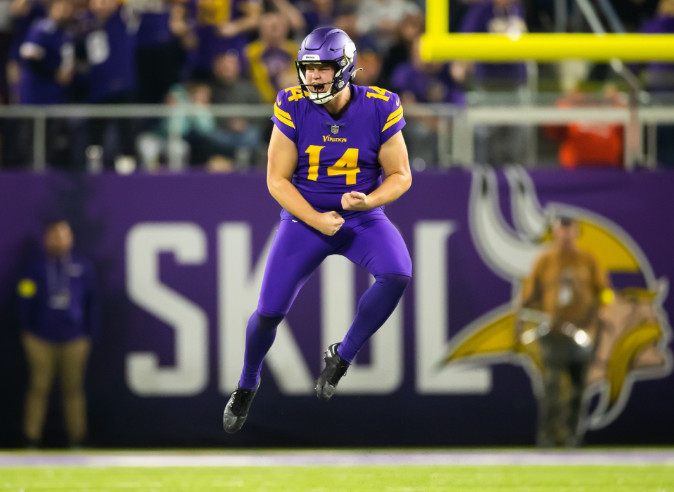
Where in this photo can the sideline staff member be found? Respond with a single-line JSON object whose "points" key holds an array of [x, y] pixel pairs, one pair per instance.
{"points": [[567, 286], [57, 310]]}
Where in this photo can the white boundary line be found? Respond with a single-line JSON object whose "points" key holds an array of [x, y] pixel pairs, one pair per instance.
{"points": [[337, 458]]}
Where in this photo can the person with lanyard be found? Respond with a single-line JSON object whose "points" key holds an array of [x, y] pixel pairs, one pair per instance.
{"points": [[58, 315]]}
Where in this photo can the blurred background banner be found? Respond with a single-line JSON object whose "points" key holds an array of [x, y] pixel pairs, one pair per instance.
{"points": [[180, 259]]}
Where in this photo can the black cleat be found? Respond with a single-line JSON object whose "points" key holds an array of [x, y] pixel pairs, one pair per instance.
{"points": [[236, 411], [335, 369]]}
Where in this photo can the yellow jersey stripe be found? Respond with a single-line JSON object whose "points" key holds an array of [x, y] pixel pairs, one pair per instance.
{"points": [[278, 110], [392, 122], [283, 118], [287, 122], [395, 113]]}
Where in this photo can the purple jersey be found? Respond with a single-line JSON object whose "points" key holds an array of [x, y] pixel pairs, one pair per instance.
{"points": [[111, 53], [337, 156], [48, 47]]}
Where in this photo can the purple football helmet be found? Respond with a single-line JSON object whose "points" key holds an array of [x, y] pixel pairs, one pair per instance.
{"points": [[327, 45]]}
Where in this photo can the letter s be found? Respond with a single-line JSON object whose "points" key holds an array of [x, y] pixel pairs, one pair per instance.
{"points": [[189, 376]]}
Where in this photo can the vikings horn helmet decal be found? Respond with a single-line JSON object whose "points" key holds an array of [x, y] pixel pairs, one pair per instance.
{"points": [[635, 346], [327, 45]]}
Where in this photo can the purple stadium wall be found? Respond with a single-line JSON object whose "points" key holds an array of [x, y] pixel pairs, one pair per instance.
{"points": [[179, 261]]}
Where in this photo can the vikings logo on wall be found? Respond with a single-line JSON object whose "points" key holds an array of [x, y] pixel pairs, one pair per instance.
{"points": [[633, 344]]}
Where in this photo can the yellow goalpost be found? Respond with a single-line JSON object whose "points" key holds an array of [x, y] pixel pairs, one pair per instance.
{"points": [[437, 44]]}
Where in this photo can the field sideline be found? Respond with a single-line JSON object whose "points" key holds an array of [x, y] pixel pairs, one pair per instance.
{"points": [[527, 470]]}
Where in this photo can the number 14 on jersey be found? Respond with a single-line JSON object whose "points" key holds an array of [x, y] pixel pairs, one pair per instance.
{"points": [[346, 165]]}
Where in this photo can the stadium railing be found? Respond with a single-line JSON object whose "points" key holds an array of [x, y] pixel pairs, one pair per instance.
{"points": [[454, 130]]}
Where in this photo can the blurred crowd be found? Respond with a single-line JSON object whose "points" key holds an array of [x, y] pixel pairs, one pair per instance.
{"points": [[201, 52]]}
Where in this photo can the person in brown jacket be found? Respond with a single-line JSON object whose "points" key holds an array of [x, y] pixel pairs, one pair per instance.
{"points": [[564, 295]]}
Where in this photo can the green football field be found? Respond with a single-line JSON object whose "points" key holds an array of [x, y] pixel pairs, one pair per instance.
{"points": [[354, 479], [626, 470]]}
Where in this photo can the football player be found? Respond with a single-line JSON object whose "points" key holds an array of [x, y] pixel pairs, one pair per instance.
{"points": [[336, 157]]}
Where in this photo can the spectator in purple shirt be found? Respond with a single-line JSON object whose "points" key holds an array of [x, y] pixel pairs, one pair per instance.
{"points": [[58, 314], [318, 13], [271, 56], [659, 77], [15, 134], [417, 81], [109, 44], [24, 13], [409, 30], [293, 15], [422, 82], [496, 145], [346, 19], [498, 17], [221, 26], [164, 38], [47, 57], [47, 64]]}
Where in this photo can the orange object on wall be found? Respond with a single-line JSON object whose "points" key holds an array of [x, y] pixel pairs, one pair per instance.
{"points": [[589, 144], [592, 145]]}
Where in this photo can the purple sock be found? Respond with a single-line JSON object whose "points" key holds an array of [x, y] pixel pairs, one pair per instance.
{"points": [[260, 335], [374, 308]]}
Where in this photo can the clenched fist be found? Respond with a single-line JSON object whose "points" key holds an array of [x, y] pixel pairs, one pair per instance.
{"points": [[355, 200], [328, 223]]}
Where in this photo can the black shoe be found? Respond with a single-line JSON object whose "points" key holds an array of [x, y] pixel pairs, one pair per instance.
{"points": [[335, 369], [236, 411]]}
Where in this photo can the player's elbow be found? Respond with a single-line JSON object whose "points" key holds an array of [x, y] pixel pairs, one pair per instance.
{"points": [[271, 185], [274, 185], [405, 181], [408, 181]]}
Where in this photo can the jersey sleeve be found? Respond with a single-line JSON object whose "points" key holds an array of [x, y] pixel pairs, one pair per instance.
{"points": [[391, 119], [284, 114]]}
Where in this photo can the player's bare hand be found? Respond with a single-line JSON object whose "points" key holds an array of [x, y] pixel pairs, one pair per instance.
{"points": [[355, 200], [328, 223]]}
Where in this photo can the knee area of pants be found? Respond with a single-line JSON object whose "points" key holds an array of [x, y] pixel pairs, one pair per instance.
{"points": [[268, 323], [394, 281], [39, 389], [72, 392]]}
